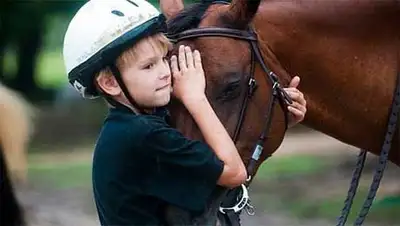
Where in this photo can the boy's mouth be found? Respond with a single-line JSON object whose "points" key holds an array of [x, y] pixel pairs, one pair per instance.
{"points": [[164, 87]]}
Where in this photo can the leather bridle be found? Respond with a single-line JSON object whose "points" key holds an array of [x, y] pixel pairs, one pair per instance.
{"points": [[231, 214]]}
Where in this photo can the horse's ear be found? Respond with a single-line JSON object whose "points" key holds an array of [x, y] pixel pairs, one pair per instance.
{"points": [[241, 12], [170, 8]]}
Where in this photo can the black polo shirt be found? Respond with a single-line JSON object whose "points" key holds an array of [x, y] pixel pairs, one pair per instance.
{"points": [[140, 163]]}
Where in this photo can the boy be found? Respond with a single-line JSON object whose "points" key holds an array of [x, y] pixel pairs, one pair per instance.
{"points": [[116, 49]]}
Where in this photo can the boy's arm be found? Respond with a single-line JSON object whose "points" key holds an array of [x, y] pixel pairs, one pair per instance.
{"points": [[215, 134], [189, 87], [185, 171]]}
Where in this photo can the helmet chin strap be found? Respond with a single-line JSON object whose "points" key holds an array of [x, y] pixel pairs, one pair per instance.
{"points": [[115, 71]]}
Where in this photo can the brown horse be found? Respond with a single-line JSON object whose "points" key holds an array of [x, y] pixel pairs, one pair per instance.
{"points": [[346, 53]]}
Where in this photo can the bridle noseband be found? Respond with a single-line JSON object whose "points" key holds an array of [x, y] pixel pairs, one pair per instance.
{"points": [[231, 214]]}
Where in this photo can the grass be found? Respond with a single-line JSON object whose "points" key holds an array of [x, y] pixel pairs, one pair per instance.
{"points": [[290, 166], [61, 175], [288, 184], [330, 208], [64, 174], [278, 179]]}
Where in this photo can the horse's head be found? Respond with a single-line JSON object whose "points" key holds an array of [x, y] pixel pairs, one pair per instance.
{"points": [[228, 64], [235, 65]]}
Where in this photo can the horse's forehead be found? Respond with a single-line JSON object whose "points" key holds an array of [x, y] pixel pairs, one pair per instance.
{"points": [[212, 15], [221, 55]]}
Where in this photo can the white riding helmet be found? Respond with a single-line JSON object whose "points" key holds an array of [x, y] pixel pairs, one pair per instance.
{"points": [[99, 32]]}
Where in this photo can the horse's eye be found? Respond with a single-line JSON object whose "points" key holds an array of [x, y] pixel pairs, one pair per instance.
{"points": [[231, 87], [230, 92]]}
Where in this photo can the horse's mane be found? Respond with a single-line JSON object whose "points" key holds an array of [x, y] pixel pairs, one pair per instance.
{"points": [[190, 17]]}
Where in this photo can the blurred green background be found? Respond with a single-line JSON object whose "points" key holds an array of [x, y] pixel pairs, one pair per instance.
{"points": [[35, 28], [306, 186]]}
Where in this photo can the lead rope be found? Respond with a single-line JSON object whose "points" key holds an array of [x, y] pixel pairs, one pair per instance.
{"points": [[383, 158], [353, 188]]}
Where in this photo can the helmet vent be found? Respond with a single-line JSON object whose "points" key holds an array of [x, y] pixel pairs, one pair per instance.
{"points": [[118, 13], [133, 3]]}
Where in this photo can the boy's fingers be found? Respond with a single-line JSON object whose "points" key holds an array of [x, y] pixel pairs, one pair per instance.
{"points": [[299, 107], [189, 57], [296, 112], [295, 82], [296, 95], [197, 59], [182, 58], [291, 89], [174, 66]]}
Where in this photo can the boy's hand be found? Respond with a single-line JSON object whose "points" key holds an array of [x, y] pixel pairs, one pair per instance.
{"points": [[298, 108], [188, 80]]}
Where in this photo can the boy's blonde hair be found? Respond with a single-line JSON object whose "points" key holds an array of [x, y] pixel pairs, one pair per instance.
{"points": [[159, 42]]}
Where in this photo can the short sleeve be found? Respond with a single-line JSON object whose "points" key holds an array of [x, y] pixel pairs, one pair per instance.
{"points": [[186, 170]]}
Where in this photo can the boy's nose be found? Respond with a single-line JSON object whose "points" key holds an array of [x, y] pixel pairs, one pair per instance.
{"points": [[165, 76], [165, 71]]}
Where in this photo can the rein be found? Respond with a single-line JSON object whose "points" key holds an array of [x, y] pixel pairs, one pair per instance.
{"points": [[383, 159]]}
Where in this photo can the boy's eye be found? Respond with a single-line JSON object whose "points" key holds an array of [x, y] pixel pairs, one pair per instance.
{"points": [[148, 66]]}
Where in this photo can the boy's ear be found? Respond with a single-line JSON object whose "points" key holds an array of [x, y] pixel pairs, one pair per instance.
{"points": [[108, 84]]}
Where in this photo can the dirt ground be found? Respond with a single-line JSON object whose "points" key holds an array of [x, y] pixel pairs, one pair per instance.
{"points": [[65, 207]]}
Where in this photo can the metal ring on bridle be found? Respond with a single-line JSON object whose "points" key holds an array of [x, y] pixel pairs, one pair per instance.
{"points": [[240, 205]]}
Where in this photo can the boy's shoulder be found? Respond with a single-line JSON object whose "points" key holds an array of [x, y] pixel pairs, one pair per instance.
{"points": [[125, 126], [125, 133], [124, 119]]}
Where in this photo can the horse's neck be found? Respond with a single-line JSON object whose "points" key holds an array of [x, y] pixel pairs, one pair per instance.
{"points": [[347, 74]]}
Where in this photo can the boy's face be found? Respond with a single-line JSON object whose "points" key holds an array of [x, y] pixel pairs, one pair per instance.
{"points": [[148, 79]]}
